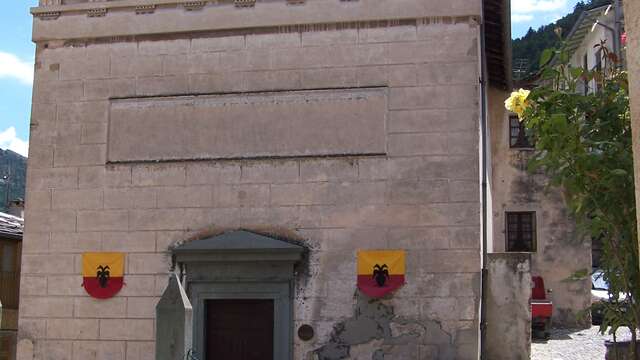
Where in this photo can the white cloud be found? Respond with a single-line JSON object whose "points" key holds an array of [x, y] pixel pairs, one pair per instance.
{"points": [[12, 67], [10, 140], [518, 18], [535, 6]]}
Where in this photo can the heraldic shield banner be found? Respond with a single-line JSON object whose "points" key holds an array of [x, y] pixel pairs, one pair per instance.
{"points": [[380, 271], [102, 273]]}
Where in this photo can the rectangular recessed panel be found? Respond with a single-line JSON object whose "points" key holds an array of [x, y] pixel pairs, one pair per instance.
{"points": [[272, 124]]}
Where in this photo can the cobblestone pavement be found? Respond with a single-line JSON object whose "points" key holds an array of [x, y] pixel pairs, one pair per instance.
{"points": [[567, 344]]}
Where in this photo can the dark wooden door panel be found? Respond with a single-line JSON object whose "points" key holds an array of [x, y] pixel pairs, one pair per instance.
{"points": [[239, 329]]}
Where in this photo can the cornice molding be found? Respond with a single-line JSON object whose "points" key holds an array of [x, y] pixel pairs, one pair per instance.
{"points": [[164, 17]]}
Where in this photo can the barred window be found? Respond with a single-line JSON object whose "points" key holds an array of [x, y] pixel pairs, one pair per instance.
{"points": [[518, 135], [521, 231]]}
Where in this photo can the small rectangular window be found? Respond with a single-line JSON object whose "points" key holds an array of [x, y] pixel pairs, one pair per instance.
{"points": [[519, 137], [521, 231]]}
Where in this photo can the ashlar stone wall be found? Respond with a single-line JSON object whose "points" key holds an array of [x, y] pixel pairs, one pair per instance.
{"points": [[420, 193]]}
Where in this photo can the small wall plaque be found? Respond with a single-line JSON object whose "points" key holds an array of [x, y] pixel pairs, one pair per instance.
{"points": [[305, 332]]}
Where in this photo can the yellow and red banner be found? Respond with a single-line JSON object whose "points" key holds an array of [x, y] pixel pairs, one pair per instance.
{"points": [[380, 271], [102, 273]]}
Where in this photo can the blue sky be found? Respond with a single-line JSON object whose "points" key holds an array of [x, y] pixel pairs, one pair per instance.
{"points": [[17, 54]]}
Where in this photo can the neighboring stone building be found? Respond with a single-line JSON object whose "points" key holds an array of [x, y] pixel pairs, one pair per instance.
{"points": [[10, 253], [326, 126]]}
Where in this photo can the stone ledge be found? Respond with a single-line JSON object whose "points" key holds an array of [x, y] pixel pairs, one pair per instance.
{"points": [[122, 18]]}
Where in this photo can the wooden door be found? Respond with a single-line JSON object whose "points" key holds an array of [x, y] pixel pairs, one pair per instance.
{"points": [[239, 329]]}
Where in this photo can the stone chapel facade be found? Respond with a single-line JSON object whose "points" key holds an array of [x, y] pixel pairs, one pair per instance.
{"points": [[334, 126]]}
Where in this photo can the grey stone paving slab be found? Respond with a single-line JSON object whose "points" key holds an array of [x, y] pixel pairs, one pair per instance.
{"points": [[571, 344]]}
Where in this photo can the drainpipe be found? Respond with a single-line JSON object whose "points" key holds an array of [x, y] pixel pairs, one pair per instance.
{"points": [[483, 141]]}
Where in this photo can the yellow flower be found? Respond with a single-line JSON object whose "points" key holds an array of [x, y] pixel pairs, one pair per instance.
{"points": [[517, 102]]}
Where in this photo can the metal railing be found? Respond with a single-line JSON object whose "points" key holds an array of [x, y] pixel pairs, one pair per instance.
{"points": [[9, 289]]}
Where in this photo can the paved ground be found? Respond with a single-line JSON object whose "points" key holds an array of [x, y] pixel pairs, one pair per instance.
{"points": [[566, 344]]}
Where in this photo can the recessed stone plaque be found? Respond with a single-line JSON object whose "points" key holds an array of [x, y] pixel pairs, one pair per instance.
{"points": [[249, 125]]}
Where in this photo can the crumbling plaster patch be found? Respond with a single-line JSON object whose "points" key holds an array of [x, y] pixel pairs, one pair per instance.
{"points": [[374, 331]]}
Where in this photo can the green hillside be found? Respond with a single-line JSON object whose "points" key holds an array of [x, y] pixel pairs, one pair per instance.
{"points": [[13, 176], [527, 49]]}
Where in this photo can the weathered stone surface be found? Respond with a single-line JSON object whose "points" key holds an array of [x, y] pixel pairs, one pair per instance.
{"points": [[295, 100]]}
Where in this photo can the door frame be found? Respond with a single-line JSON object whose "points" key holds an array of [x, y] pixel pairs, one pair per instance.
{"points": [[279, 292]]}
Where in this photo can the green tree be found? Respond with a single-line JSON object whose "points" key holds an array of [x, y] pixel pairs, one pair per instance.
{"points": [[584, 144]]}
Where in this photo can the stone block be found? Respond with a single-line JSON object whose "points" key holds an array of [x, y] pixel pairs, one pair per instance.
{"points": [[401, 75], [139, 285], [462, 143], [162, 85], [34, 242], [38, 199], [68, 134], [420, 238], [164, 47], [132, 66], [448, 73], [61, 242], [129, 242], [140, 350], [208, 173], [105, 220], [156, 263], [65, 285], [80, 155], [241, 195], [429, 97], [107, 88], [408, 121], [33, 285], [99, 350], [200, 63], [273, 80], [77, 199], [58, 178], [33, 328], [142, 307], [329, 37], [126, 329], [94, 133], [159, 175], [41, 156], [66, 91], [81, 112], [387, 34], [50, 220], [449, 261], [463, 167], [100, 176], [281, 40], [157, 219], [464, 190], [450, 214], [72, 329], [417, 144], [38, 307], [291, 58], [328, 170], [88, 307], [279, 171], [130, 198], [418, 192], [222, 43], [94, 65], [329, 78], [372, 75], [181, 197], [217, 83], [52, 349], [465, 237], [328, 193]]}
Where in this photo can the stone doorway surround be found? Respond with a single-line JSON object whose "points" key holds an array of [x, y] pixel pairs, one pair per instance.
{"points": [[240, 265]]}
